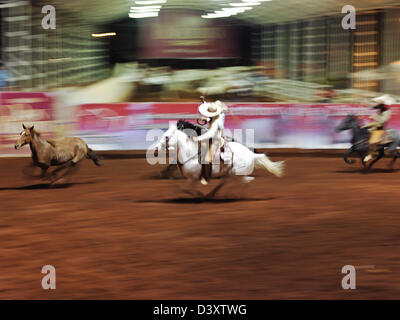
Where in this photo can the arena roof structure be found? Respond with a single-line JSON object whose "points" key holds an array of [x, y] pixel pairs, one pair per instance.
{"points": [[268, 11]]}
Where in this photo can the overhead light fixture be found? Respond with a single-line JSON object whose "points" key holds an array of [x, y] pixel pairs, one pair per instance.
{"points": [[244, 4], [238, 7], [145, 8], [106, 34], [143, 11], [151, 2], [231, 11], [143, 15], [215, 15], [243, 9]]}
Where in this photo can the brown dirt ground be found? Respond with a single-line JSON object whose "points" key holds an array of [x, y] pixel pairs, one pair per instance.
{"points": [[121, 232]]}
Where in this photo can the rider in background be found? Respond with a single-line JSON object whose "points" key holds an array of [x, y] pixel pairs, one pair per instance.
{"points": [[378, 125], [214, 112]]}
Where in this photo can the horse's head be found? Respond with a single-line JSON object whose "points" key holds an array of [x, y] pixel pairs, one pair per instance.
{"points": [[180, 124], [347, 123], [189, 128], [168, 140], [25, 137]]}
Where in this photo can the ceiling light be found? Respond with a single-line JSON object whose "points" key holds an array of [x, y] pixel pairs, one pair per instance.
{"points": [[244, 4], [231, 11], [145, 8], [215, 15], [151, 2], [144, 11], [237, 9], [143, 15], [106, 34]]}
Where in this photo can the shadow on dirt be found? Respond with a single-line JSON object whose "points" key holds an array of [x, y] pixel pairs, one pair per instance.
{"points": [[371, 171], [48, 186], [205, 200]]}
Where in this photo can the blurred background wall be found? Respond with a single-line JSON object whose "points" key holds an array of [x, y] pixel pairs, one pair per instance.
{"points": [[314, 49]]}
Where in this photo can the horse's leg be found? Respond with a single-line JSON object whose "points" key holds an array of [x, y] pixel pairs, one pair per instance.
{"points": [[71, 170], [348, 154], [70, 166], [395, 154], [364, 164], [29, 170], [230, 180], [59, 168], [74, 164], [380, 155], [169, 171], [190, 189], [43, 174], [212, 193], [55, 177]]}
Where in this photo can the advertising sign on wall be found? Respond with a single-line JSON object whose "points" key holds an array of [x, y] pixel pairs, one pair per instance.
{"points": [[125, 126], [186, 35], [31, 108]]}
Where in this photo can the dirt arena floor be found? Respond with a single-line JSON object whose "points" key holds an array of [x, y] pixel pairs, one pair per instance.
{"points": [[121, 232]]}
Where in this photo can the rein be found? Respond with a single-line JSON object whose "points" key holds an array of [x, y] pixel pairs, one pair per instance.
{"points": [[361, 141]]}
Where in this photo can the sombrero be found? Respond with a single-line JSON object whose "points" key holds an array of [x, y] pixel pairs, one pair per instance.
{"points": [[210, 109], [224, 107], [385, 99]]}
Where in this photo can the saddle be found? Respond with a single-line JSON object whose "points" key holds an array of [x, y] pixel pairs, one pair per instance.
{"points": [[380, 137], [224, 152]]}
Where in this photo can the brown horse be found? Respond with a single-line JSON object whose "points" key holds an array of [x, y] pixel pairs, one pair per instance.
{"points": [[65, 152]]}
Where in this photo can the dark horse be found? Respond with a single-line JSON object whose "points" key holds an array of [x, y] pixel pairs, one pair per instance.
{"points": [[360, 142]]}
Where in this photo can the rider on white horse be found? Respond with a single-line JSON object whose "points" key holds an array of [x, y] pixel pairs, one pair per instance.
{"points": [[213, 138]]}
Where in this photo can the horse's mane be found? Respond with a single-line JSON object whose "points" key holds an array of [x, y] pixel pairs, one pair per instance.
{"points": [[52, 143], [36, 133], [182, 125]]}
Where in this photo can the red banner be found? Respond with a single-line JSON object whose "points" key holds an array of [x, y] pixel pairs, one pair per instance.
{"points": [[125, 126]]}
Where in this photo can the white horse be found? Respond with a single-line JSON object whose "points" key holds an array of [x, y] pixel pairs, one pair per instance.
{"points": [[244, 161]]}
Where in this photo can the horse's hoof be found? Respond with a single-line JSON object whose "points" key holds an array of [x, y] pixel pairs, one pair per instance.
{"points": [[247, 179]]}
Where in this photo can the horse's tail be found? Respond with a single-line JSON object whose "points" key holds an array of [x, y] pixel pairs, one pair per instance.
{"points": [[94, 157], [261, 161]]}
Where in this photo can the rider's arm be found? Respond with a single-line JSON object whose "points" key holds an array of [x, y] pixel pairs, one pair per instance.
{"points": [[383, 117], [210, 133], [371, 124]]}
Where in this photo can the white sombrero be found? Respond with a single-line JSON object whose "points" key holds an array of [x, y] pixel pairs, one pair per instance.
{"points": [[224, 107], [210, 109], [385, 99]]}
